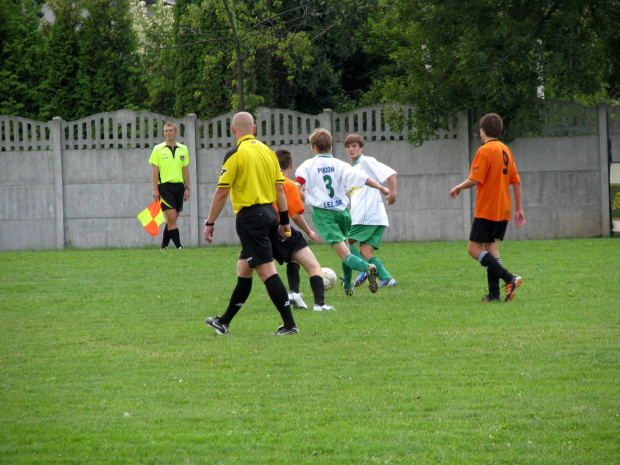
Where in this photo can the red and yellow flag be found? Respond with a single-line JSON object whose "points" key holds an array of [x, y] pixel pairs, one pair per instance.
{"points": [[151, 217]]}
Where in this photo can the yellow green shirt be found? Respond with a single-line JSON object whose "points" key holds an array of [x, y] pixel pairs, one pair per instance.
{"points": [[251, 170], [170, 165]]}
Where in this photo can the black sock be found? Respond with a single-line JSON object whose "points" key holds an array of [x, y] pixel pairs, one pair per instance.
{"points": [[292, 275], [174, 235], [493, 284], [279, 296], [237, 299], [166, 239], [318, 289], [493, 266]]}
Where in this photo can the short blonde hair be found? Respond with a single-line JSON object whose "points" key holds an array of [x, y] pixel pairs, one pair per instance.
{"points": [[322, 139]]}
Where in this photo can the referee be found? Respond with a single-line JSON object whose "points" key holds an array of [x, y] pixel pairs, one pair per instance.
{"points": [[170, 181], [251, 174]]}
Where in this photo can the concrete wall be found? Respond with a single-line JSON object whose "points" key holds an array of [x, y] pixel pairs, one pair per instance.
{"points": [[82, 183]]}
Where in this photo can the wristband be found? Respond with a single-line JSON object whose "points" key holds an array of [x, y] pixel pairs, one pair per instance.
{"points": [[284, 218], [209, 224], [188, 188]]}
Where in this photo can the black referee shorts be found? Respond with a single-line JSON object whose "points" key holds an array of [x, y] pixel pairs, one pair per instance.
{"points": [[258, 229], [171, 195], [486, 231]]}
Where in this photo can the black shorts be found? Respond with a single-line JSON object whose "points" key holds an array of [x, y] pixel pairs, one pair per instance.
{"points": [[284, 250], [258, 229], [171, 195], [486, 231]]}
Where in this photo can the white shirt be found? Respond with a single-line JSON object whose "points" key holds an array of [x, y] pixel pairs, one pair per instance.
{"points": [[327, 181], [367, 206]]}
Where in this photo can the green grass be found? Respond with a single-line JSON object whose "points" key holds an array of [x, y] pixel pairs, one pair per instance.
{"points": [[105, 359]]}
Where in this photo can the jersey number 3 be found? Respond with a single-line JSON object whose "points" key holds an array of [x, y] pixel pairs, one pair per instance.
{"points": [[328, 185]]}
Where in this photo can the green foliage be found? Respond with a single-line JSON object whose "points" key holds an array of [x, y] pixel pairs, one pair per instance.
{"points": [[21, 55], [449, 56], [105, 359]]}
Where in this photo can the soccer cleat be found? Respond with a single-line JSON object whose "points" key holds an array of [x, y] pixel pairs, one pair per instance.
{"points": [[361, 279], [282, 331], [490, 298], [164, 248], [511, 287], [180, 247], [216, 325], [371, 273], [348, 292], [296, 300], [320, 308], [385, 282]]}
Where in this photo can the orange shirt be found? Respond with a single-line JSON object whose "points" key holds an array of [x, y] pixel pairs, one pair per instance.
{"points": [[293, 198], [494, 168]]}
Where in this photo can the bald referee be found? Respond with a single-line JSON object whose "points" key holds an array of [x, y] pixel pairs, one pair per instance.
{"points": [[251, 174]]}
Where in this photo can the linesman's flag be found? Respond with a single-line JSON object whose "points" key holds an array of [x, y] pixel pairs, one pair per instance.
{"points": [[151, 217]]}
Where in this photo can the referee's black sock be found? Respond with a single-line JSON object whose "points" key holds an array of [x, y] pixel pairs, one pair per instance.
{"points": [[166, 239], [493, 282], [493, 266], [237, 299], [174, 235], [318, 289], [279, 296], [292, 275]]}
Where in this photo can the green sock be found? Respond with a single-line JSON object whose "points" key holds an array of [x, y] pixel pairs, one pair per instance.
{"points": [[355, 252], [357, 263], [348, 274], [381, 271]]}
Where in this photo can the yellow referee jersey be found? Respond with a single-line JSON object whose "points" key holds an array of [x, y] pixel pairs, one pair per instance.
{"points": [[251, 170], [170, 164]]}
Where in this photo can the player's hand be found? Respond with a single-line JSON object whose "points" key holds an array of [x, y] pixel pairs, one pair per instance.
{"points": [[209, 234], [156, 195], [519, 218], [186, 195], [391, 198], [456, 190], [314, 236], [285, 231]]}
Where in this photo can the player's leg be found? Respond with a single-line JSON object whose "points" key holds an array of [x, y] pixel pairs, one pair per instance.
{"points": [[355, 263], [239, 296], [493, 280], [306, 258], [171, 196], [292, 276], [361, 276]]}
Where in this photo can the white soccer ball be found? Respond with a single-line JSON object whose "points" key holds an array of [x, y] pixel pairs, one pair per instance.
{"points": [[329, 278]]}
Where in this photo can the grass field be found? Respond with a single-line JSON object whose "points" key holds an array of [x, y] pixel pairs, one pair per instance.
{"points": [[105, 359]]}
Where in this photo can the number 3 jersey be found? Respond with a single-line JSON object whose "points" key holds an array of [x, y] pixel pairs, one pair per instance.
{"points": [[495, 170], [327, 180]]}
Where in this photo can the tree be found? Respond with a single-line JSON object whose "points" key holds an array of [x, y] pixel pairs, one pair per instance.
{"points": [[247, 37], [21, 55], [448, 56]]}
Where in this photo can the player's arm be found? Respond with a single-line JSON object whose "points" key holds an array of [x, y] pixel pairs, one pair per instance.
{"points": [[519, 216], [155, 181], [217, 205], [372, 183], [186, 182], [391, 197], [285, 227], [468, 183], [300, 221]]}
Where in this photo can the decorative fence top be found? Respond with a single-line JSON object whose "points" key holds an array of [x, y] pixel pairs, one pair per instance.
{"points": [[130, 129]]}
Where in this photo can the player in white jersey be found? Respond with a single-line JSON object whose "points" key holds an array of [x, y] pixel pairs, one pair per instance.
{"points": [[325, 181], [369, 218]]}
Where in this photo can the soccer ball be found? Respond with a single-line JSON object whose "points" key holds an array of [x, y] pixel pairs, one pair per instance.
{"points": [[329, 278]]}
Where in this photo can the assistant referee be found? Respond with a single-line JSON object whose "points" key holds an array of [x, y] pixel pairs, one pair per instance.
{"points": [[251, 174], [170, 162]]}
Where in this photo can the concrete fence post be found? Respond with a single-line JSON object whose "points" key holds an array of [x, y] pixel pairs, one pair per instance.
{"points": [[325, 119], [470, 146], [59, 209], [191, 123], [603, 149]]}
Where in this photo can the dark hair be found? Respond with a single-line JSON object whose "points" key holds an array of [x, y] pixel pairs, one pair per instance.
{"points": [[354, 139], [285, 158], [492, 125]]}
